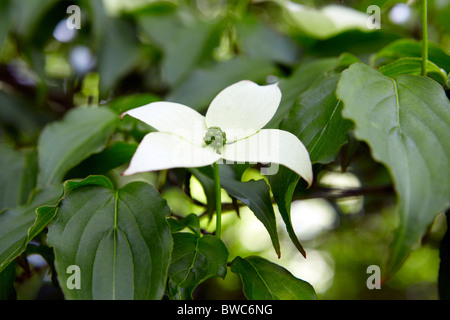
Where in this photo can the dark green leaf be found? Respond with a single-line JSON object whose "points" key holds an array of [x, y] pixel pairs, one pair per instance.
{"points": [[7, 278], [28, 15], [283, 185], [258, 40], [187, 48], [19, 179], [413, 66], [120, 239], [305, 76], [117, 154], [191, 221], [195, 259], [406, 122], [411, 48], [316, 120], [264, 280], [254, 194], [18, 226], [18, 113], [119, 53], [5, 20], [64, 144], [125, 103], [160, 22], [200, 88]]}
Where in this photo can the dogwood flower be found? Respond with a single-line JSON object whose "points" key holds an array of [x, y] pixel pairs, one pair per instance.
{"points": [[231, 130]]}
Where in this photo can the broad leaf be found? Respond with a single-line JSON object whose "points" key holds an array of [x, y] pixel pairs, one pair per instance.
{"points": [[18, 226], [413, 66], [119, 239], [202, 85], [187, 48], [259, 40], [118, 55], [283, 185], [264, 280], [117, 154], [19, 179], [191, 222], [406, 122], [316, 120], [7, 279], [305, 76], [64, 144], [254, 194], [195, 259], [411, 48]]}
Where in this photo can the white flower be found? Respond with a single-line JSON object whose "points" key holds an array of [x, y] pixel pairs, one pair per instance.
{"points": [[231, 130]]}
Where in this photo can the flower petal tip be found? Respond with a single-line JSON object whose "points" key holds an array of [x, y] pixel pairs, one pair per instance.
{"points": [[123, 115]]}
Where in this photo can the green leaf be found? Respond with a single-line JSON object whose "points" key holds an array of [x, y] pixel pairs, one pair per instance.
{"points": [[19, 179], [7, 278], [202, 85], [259, 40], [119, 53], [305, 76], [191, 221], [283, 185], [117, 154], [64, 144], [120, 239], [5, 21], [413, 66], [195, 259], [254, 194], [316, 120], [18, 226], [264, 280], [406, 122], [27, 16], [19, 113], [411, 48], [187, 48], [160, 22], [125, 103]]}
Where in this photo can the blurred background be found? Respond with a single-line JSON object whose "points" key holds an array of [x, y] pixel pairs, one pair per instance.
{"points": [[128, 53]]}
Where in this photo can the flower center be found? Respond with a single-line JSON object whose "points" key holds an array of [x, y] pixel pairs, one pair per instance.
{"points": [[215, 138]]}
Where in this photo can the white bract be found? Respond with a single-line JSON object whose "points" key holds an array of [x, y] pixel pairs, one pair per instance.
{"points": [[230, 130]]}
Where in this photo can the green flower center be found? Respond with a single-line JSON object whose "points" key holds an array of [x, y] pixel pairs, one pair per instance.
{"points": [[215, 138]]}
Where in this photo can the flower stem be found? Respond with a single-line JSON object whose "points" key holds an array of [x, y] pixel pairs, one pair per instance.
{"points": [[424, 38], [218, 199]]}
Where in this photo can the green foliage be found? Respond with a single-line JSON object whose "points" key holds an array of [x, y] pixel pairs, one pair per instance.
{"points": [[406, 122], [264, 280], [119, 238], [355, 97], [195, 258]]}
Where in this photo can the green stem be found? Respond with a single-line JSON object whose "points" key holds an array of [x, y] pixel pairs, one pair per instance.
{"points": [[424, 38], [218, 199]]}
